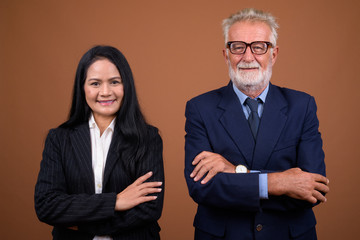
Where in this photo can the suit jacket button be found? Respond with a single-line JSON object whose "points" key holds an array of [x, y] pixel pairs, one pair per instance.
{"points": [[259, 227]]}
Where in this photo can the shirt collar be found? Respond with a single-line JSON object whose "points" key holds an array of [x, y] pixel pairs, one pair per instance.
{"points": [[242, 97], [92, 123]]}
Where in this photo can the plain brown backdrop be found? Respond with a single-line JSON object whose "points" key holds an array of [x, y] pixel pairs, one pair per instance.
{"points": [[175, 51]]}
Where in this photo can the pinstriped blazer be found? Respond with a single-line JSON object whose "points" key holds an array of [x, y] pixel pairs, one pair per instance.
{"points": [[65, 193]]}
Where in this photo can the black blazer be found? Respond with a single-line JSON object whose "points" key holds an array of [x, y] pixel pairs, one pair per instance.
{"points": [[65, 193]]}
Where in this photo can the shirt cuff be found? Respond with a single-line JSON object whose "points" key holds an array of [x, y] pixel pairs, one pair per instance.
{"points": [[263, 186]]}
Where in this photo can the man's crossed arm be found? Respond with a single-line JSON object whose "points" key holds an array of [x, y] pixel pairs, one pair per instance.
{"points": [[293, 182]]}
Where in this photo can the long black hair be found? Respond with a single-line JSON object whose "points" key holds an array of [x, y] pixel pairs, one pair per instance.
{"points": [[130, 122]]}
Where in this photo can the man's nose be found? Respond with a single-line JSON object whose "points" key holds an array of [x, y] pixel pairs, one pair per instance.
{"points": [[248, 56]]}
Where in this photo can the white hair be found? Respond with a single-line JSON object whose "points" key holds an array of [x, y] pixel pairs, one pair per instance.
{"points": [[252, 15]]}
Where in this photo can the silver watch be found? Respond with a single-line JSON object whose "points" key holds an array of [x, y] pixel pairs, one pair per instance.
{"points": [[241, 169]]}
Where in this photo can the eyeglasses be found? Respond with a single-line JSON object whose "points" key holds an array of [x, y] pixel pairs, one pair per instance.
{"points": [[239, 47]]}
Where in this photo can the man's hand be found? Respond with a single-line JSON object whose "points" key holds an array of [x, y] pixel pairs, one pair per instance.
{"points": [[298, 184], [210, 163], [137, 193]]}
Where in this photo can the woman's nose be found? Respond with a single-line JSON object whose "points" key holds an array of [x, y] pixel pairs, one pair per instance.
{"points": [[105, 89]]}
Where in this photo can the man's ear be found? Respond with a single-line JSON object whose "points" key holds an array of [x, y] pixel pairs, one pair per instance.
{"points": [[226, 56], [274, 54]]}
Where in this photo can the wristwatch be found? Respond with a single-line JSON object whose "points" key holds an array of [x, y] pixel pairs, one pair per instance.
{"points": [[241, 169]]}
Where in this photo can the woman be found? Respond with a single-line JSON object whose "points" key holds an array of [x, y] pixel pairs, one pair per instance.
{"points": [[102, 172]]}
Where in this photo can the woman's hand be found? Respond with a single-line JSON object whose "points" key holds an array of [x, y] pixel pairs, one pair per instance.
{"points": [[137, 193]]}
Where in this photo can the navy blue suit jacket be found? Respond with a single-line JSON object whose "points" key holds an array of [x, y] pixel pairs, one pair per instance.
{"points": [[229, 206], [65, 192]]}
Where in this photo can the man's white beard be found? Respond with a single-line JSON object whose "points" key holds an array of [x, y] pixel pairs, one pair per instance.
{"points": [[255, 80]]}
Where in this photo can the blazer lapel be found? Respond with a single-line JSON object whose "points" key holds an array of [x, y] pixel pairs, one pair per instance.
{"points": [[80, 139], [112, 156], [235, 123], [271, 125]]}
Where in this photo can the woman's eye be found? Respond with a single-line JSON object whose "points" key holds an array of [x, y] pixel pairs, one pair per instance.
{"points": [[115, 82], [95, 84]]}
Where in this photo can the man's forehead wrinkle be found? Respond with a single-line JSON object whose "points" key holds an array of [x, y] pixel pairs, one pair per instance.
{"points": [[249, 32]]}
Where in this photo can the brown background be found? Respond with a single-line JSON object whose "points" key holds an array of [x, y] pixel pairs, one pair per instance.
{"points": [[174, 49]]}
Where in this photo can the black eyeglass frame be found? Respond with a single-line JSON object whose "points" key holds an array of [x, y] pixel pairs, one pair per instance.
{"points": [[268, 44]]}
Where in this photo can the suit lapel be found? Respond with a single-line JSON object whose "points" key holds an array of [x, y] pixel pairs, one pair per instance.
{"points": [[271, 125], [233, 120], [80, 139], [112, 156]]}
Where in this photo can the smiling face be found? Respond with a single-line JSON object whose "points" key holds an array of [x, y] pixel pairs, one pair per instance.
{"points": [[103, 90], [250, 72]]}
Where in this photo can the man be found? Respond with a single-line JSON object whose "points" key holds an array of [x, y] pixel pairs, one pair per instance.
{"points": [[254, 162]]}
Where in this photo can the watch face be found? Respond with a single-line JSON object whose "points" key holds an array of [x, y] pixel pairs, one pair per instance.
{"points": [[241, 169]]}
